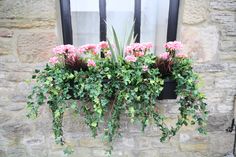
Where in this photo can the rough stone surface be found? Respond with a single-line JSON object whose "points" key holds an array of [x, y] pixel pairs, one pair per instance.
{"points": [[195, 11], [26, 9], [203, 47], [27, 34], [35, 47], [223, 5]]}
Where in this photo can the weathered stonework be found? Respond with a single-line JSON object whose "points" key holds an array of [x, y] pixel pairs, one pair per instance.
{"points": [[35, 47], [27, 34], [195, 11], [203, 47]]}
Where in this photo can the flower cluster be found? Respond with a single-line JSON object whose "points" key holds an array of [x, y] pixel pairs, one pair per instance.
{"points": [[69, 51], [88, 48], [103, 46], [89, 52], [137, 50], [64, 49], [173, 45], [171, 48], [72, 54]]}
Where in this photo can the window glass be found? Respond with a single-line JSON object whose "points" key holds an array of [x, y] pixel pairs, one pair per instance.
{"points": [[154, 20], [120, 14], [85, 21]]}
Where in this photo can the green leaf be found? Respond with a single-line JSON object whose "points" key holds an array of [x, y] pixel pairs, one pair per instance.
{"points": [[113, 54], [131, 35], [57, 113], [116, 41], [94, 124]]}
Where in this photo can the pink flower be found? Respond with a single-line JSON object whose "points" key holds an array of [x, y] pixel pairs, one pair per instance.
{"points": [[129, 50], [90, 48], [173, 45], [58, 49], [164, 55], [139, 54], [148, 45], [91, 63], [181, 55], [53, 60], [130, 58], [145, 68], [103, 45], [63, 49], [108, 54], [138, 49], [70, 48]]}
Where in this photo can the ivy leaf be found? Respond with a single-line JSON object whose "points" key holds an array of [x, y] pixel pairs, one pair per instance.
{"points": [[94, 124]]}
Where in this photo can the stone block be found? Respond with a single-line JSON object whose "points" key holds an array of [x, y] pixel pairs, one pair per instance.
{"points": [[17, 76], [223, 4], [228, 44], [193, 142], [6, 33], [219, 122], [4, 118], [200, 42], [194, 11], [35, 47], [224, 108], [124, 142], [17, 151], [220, 143], [10, 58], [7, 46], [148, 153], [211, 68], [73, 123], [90, 142], [194, 147], [228, 56], [15, 130], [28, 23], [18, 9], [222, 17]]}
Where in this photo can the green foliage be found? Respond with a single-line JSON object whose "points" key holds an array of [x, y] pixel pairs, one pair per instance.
{"points": [[111, 89]]}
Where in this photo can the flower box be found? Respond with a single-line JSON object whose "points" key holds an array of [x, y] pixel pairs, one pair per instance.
{"points": [[127, 81], [169, 90]]}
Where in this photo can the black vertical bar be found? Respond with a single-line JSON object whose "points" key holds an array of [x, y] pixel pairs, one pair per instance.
{"points": [[173, 20], [66, 21], [137, 19], [234, 139], [103, 26]]}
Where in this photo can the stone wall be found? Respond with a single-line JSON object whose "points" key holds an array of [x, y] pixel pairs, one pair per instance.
{"points": [[28, 31]]}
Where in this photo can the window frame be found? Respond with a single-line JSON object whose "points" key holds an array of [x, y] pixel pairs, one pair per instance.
{"points": [[67, 31]]}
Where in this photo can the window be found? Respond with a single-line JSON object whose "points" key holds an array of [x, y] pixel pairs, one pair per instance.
{"points": [[84, 21]]}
